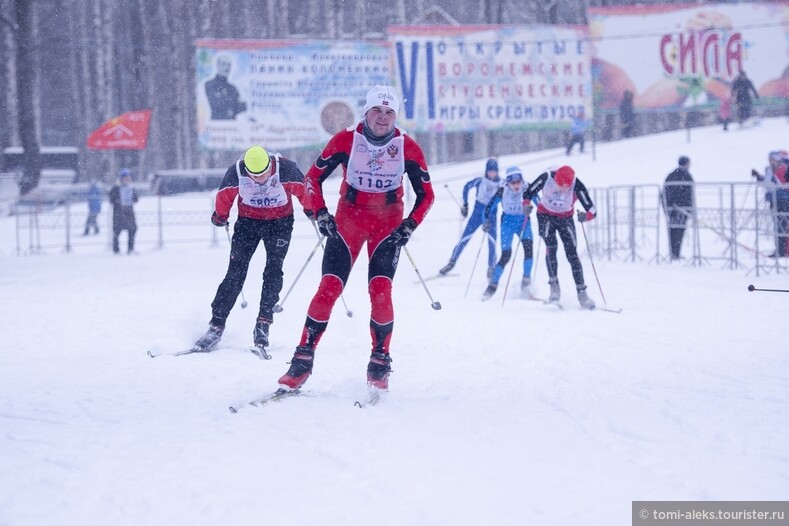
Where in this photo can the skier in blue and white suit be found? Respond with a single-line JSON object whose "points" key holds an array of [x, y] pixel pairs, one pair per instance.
{"points": [[486, 187], [515, 221]]}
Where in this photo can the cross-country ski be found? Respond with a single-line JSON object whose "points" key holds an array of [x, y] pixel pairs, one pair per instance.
{"points": [[275, 396]]}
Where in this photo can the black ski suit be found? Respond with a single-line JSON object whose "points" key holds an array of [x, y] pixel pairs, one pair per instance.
{"points": [[558, 217], [122, 198], [678, 205]]}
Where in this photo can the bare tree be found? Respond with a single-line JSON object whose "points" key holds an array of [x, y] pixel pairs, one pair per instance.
{"points": [[6, 71], [25, 87]]}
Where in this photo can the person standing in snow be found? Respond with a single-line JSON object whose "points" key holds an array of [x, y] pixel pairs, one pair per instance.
{"points": [[122, 198], [678, 204], [560, 188], [374, 155], [776, 187], [627, 116], [724, 112], [577, 130], [95, 195], [741, 90], [515, 221], [486, 187], [263, 186]]}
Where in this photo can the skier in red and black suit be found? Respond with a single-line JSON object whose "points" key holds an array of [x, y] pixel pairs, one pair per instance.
{"points": [[263, 186], [560, 189], [374, 155]]}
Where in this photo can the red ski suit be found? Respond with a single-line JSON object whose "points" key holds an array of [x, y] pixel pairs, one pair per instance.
{"points": [[369, 210]]}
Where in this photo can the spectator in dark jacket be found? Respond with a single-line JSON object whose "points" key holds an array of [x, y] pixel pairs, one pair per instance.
{"points": [[678, 204], [741, 90], [122, 198], [626, 114]]}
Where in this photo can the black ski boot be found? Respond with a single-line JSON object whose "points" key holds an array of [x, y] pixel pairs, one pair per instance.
{"points": [[525, 288], [209, 340], [300, 368], [446, 268], [556, 293], [260, 334], [584, 299], [490, 291], [378, 370]]}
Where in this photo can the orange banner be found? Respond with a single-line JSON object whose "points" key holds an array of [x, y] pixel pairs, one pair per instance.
{"points": [[128, 131]]}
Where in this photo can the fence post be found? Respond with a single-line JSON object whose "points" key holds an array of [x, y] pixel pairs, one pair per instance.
{"points": [[160, 220], [608, 222], [17, 215], [67, 211], [214, 235], [632, 221], [733, 262]]}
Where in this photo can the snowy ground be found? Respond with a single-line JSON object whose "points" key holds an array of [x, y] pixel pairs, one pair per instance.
{"points": [[508, 415]]}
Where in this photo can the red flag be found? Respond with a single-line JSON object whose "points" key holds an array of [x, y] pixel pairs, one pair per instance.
{"points": [[128, 131]]}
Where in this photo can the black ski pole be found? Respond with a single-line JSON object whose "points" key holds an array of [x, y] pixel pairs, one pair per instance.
{"points": [[453, 197], [751, 288], [278, 307], [227, 231], [591, 260], [476, 260], [514, 258], [435, 304]]}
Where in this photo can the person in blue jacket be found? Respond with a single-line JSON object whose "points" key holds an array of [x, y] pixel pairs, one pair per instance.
{"points": [[515, 221], [577, 130], [95, 195], [486, 187]]}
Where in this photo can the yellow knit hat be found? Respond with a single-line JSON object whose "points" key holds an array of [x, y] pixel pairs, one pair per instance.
{"points": [[256, 160]]}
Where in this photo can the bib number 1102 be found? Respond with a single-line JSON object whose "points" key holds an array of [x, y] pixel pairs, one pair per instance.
{"points": [[378, 184]]}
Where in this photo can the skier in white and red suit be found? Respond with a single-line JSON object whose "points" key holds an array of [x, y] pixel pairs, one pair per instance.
{"points": [[374, 155], [560, 189], [262, 186]]}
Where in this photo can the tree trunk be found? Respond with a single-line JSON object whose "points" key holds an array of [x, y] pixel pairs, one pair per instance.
{"points": [[25, 87], [6, 52]]}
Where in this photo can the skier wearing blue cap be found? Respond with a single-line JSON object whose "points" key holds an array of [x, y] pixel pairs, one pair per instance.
{"points": [[514, 221], [487, 187]]}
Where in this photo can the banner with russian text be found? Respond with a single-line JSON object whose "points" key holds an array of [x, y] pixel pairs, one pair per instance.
{"points": [[282, 93], [687, 56], [466, 78]]}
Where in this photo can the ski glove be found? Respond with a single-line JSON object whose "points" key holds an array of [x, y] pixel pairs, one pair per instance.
{"points": [[218, 220], [585, 216], [402, 234], [464, 210], [326, 223], [754, 173], [527, 207], [486, 226]]}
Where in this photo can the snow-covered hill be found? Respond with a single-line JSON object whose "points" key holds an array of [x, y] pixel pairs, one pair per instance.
{"points": [[505, 414]]}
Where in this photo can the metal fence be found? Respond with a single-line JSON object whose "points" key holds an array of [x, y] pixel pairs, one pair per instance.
{"points": [[43, 227], [47, 227], [731, 225]]}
